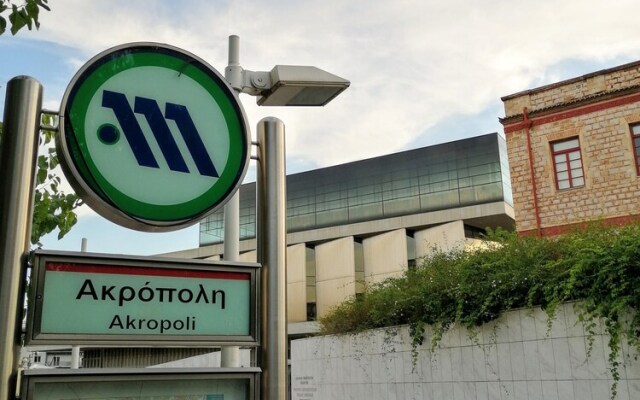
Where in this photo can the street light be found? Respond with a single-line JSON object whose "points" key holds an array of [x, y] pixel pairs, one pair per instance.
{"points": [[284, 85], [301, 86]]}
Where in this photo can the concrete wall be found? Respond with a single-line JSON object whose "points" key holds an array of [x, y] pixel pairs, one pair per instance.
{"points": [[296, 280], [385, 255], [516, 358], [335, 273], [248, 256], [296, 283], [444, 238]]}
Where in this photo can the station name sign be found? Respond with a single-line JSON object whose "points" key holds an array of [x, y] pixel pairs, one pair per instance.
{"points": [[84, 298]]}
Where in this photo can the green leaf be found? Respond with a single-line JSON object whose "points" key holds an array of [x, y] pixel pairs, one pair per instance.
{"points": [[25, 16], [3, 25], [42, 162], [17, 20], [41, 176], [32, 12], [53, 161], [32, 9], [43, 4]]}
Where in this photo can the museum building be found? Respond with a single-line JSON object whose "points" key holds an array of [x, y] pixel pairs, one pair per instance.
{"points": [[358, 223]]}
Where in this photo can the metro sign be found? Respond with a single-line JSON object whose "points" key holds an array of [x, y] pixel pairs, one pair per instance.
{"points": [[152, 137]]}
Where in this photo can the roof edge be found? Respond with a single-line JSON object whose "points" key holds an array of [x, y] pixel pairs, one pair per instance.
{"points": [[571, 80]]}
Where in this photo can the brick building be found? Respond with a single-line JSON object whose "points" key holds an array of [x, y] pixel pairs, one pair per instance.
{"points": [[574, 151]]}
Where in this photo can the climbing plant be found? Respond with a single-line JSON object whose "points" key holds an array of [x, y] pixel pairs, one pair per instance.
{"points": [[598, 268]]}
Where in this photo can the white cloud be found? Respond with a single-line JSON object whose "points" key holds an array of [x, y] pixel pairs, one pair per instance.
{"points": [[415, 65], [411, 63]]}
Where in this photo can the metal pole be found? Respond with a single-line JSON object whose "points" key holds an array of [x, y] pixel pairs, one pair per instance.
{"points": [[18, 156], [272, 250], [232, 228], [75, 350], [230, 355]]}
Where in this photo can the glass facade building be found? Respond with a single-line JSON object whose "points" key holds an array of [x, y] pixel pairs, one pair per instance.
{"points": [[456, 174]]}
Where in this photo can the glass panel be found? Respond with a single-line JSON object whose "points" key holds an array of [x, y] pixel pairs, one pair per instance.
{"points": [[576, 164], [578, 182], [563, 176], [576, 173], [442, 177], [481, 194], [565, 145], [336, 217], [310, 264], [439, 186], [464, 182], [484, 179], [574, 155], [440, 200], [365, 212], [563, 185], [301, 222], [561, 167], [560, 158], [401, 206], [636, 129], [358, 255]]}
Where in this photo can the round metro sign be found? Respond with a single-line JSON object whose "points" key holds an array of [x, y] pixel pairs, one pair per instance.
{"points": [[152, 137]]}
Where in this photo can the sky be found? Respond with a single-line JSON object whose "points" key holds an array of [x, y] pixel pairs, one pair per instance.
{"points": [[422, 72]]}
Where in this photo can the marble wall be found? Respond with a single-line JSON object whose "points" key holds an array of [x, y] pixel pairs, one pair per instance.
{"points": [[514, 358]]}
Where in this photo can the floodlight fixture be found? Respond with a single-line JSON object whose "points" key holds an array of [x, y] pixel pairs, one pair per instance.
{"points": [[284, 85], [293, 85]]}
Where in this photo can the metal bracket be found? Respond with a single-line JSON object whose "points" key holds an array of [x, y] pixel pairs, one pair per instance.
{"points": [[54, 116]]}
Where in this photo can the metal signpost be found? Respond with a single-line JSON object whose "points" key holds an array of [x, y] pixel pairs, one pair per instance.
{"points": [[154, 139], [18, 155]]}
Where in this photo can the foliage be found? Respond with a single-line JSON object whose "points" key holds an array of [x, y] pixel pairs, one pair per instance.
{"points": [[21, 15], [598, 267], [53, 209]]}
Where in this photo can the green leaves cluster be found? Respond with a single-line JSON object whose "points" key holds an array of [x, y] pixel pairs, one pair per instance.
{"points": [[53, 209], [598, 267], [21, 15]]}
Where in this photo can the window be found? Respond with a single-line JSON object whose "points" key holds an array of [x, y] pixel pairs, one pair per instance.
{"points": [[567, 162], [635, 138]]}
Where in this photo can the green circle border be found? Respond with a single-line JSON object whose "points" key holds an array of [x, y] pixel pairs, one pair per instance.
{"points": [[124, 59]]}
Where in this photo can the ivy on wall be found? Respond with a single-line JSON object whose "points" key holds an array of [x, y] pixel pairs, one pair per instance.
{"points": [[597, 267]]}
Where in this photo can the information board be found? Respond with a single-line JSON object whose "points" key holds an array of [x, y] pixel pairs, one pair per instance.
{"points": [[141, 384], [84, 298]]}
